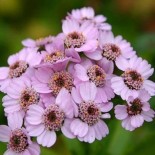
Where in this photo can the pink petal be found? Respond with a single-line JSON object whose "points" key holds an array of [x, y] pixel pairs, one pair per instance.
{"points": [[4, 72], [144, 95], [42, 88], [79, 128], [126, 123], [90, 136], [34, 149], [29, 43], [137, 121], [43, 74], [148, 115], [121, 112], [105, 107], [88, 91], [122, 63], [47, 138], [34, 114], [35, 130], [96, 55], [66, 129], [101, 130], [76, 95], [10, 152], [146, 106], [5, 132], [81, 72], [15, 120]]}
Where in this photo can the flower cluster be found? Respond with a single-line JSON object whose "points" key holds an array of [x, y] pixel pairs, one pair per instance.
{"points": [[66, 83]]}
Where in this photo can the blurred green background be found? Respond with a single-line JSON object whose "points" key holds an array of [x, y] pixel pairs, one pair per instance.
{"points": [[134, 20]]}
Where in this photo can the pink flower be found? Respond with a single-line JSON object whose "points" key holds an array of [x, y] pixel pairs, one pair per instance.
{"points": [[20, 95], [135, 112], [20, 65], [43, 123], [134, 78], [88, 14], [39, 43], [83, 38], [47, 80], [19, 142], [54, 53], [112, 47], [99, 73], [88, 123]]}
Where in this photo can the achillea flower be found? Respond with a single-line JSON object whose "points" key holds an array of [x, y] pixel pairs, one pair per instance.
{"points": [[49, 81], [88, 123], [20, 95], [83, 38], [19, 142], [20, 65], [43, 123], [88, 14], [55, 53], [99, 73], [39, 44], [112, 48], [134, 78], [135, 112]]}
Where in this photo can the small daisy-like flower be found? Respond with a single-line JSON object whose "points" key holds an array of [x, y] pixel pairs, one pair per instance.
{"points": [[55, 53], [39, 43], [20, 65], [83, 38], [99, 73], [88, 124], [20, 95], [19, 142], [134, 78], [88, 14], [135, 112], [112, 48], [48, 81], [43, 123]]}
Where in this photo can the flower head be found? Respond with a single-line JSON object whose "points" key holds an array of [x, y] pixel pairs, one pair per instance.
{"points": [[88, 124], [135, 112], [18, 140], [43, 123], [134, 78]]}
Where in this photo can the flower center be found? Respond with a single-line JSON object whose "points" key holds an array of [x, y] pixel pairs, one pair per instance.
{"points": [[111, 51], [89, 113], [132, 79], [97, 75], [53, 118], [75, 40], [28, 96], [17, 69], [135, 108], [54, 57], [60, 80], [18, 141]]}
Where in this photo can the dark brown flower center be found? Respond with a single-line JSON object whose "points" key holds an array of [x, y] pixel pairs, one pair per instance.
{"points": [[54, 57], [18, 141], [135, 107], [60, 80], [89, 113], [111, 51], [28, 96], [132, 79], [53, 118], [75, 40], [97, 75], [17, 69]]}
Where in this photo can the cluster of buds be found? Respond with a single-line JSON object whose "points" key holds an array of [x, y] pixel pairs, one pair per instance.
{"points": [[66, 83]]}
